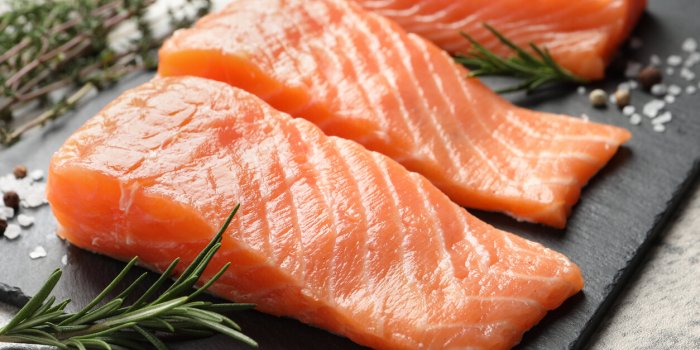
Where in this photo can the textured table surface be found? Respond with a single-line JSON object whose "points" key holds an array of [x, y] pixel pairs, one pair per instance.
{"points": [[660, 308]]}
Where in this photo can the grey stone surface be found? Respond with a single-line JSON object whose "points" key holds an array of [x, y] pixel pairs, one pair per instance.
{"points": [[661, 306]]}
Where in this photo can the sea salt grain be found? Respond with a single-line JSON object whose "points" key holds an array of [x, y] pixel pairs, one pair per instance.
{"points": [[674, 60], [670, 71], [674, 90], [653, 107], [670, 99], [6, 212], [659, 90], [659, 128], [38, 252], [690, 89], [585, 117], [635, 119], [12, 231], [687, 74], [25, 220], [693, 59], [64, 260], [632, 69], [655, 60], [689, 45], [633, 84], [628, 110], [37, 175], [664, 118], [581, 90]]}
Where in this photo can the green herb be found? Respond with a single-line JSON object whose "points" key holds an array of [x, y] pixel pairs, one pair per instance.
{"points": [[139, 325], [536, 70], [54, 53]]}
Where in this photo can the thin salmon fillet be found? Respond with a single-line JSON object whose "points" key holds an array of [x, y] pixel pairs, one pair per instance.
{"points": [[582, 35], [361, 77], [329, 233]]}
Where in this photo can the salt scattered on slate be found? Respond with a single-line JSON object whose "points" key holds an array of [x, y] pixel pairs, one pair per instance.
{"points": [[628, 110], [12, 231], [664, 118], [64, 260], [38, 252], [670, 99], [635, 119], [669, 71], [659, 90], [25, 220], [6, 212], [674, 60], [585, 117], [674, 90], [653, 107], [31, 193], [659, 128], [687, 74], [655, 60], [690, 89], [37, 175], [693, 59], [633, 84], [689, 45], [581, 90]]}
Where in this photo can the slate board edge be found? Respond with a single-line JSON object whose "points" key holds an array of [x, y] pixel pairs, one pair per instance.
{"points": [[621, 279]]}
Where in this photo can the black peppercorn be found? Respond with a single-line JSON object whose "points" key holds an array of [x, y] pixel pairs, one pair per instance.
{"points": [[649, 77], [3, 226], [20, 172], [11, 200]]}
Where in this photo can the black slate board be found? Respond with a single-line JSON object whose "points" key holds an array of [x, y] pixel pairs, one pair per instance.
{"points": [[621, 210]]}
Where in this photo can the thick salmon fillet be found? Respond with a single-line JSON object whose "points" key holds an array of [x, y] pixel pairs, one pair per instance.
{"points": [[359, 76], [582, 35], [328, 232]]}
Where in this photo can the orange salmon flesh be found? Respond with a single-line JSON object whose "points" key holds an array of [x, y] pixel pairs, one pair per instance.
{"points": [[328, 232]]}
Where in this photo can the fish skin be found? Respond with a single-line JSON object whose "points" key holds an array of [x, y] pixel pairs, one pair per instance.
{"points": [[360, 76], [328, 232], [581, 35]]}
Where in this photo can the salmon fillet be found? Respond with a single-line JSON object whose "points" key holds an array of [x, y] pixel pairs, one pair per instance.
{"points": [[582, 35], [328, 232], [361, 77]]}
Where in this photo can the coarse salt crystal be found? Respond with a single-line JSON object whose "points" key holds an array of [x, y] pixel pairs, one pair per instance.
{"points": [[585, 117], [674, 90], [659, 128], [652, 108], [628, 110], [6, 212], [37, 175], [633, 84], [581, 90], [670, 99], [693, 59], [636, 43], [38, 252], [635, 119], [690, 89], [25, 220], [689, 45], [659, 89], [12, 231], [655, 60], [687, 74], [664, 118], [674, 60], [64, 260], [632, 69], [670, 71], [623, 86]]}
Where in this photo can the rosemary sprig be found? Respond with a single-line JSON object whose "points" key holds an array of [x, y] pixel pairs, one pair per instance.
{"points": [[536, 70], [50, 50], [140, 325]]}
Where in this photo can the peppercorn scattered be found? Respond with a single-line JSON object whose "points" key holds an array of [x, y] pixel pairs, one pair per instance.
{"points": [[622, 98], [3, 227], [20, 172], [598, 98], [11, 200], [649, 77]]}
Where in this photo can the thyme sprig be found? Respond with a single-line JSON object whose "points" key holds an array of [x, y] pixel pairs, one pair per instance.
{"points": [[139, 325], [536, 69], [52, 51]]}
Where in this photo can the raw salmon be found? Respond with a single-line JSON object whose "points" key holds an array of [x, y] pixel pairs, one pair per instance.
{"points": [[360, 76], [582, 35], [328, 232]]}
